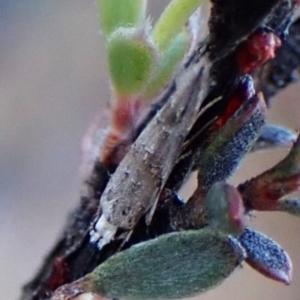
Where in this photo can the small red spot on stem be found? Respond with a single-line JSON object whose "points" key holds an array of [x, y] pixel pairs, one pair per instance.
{"points": [[124, 120], [256, 50]]}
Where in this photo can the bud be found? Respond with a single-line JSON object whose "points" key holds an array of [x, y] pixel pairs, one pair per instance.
{"points": [[256, 50], [225, 209]]}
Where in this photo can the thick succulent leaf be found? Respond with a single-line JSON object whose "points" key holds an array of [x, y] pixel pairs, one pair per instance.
{"points": [[131, 61], [168, 63], [266, 256], [172, 266], [120, 13], [172, 20], [230, 144]]}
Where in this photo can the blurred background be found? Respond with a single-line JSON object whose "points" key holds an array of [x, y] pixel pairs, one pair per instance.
{"points": [[53, 81]]}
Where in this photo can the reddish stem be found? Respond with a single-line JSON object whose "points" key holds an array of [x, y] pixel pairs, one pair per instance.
{"points": [[125, 115]]}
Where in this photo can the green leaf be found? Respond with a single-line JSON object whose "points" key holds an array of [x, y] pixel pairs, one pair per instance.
{"points": [[131, 61], [120, 13], [172, 266], [168, 63], [172, 20]]}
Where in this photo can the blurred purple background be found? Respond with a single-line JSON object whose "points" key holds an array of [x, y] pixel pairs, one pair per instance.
{"points": [[53, 81]]}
